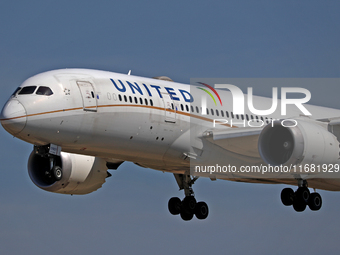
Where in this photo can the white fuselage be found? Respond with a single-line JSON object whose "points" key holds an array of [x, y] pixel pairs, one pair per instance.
{"points": [[153, 123]]}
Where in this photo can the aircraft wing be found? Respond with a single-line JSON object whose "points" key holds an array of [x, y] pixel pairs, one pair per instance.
{"points": [[240, 141]]}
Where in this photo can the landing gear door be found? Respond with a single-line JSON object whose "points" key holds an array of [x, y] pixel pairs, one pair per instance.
{"points": [[88, 95], [169, 108]]}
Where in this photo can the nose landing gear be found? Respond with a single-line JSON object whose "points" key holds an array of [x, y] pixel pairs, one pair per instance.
{"points": [[57, 173], [52, 152]]}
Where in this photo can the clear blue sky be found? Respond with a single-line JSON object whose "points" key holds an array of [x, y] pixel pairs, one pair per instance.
{"points": [[182, 40]]}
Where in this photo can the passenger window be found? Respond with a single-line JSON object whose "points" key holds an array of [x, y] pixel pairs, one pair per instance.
{"points": [[27, 90]]}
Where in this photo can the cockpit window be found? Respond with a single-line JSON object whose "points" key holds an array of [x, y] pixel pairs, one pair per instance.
{"points": [[16, 91], [27, 90], [46, 91]]}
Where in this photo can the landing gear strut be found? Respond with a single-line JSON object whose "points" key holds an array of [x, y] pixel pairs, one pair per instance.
{"points": [[301, 198], [188, 207]]}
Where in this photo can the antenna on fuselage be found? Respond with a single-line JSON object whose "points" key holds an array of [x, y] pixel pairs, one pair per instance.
{"points": [[129, 72], [163, 78]]}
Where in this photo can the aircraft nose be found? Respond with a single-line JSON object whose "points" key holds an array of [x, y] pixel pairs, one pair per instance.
{"points": [[13, 117]]}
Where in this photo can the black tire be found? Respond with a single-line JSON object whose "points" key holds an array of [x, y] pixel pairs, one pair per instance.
{"points": [[57, 173], [299, 205], [287, 196], [189, 204], [185, 215], [174, 205], [201, 210], [302, 194], [315, 201]]}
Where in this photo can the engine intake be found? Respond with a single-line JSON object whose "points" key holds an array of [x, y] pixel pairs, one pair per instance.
{"points": [[81, 174], [305, 143]]}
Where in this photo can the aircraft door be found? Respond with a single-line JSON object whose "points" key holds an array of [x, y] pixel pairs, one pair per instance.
{"points": [[88, 94], [169, 108]]}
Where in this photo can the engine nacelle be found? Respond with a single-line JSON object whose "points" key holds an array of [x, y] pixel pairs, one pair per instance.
{"points": [[81, 174], [306, 143]]}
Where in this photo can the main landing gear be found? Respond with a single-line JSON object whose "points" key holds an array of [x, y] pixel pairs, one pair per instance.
{"points": [[188, 207], [301, 198], [54, 172]]}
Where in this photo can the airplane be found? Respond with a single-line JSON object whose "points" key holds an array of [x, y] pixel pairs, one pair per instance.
{"points": [[84, 122]]}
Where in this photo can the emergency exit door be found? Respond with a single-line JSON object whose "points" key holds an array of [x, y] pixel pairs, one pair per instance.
{"points": [[88, 95], [169, 108]]}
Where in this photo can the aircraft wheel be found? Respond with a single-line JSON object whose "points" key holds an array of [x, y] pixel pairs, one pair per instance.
{"points": [[57, 173], [302, 194], [299, 205], [189, 204], [174, 205], [201, 210], [185, 215], [315, 201], [287, 196]]}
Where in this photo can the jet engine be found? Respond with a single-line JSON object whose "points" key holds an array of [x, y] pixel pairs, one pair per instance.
{"points": [[80, 174], [291, 144]]}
